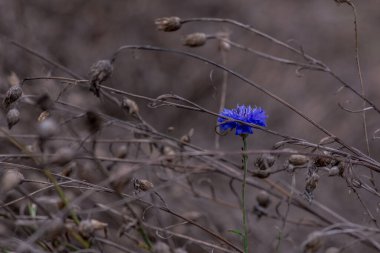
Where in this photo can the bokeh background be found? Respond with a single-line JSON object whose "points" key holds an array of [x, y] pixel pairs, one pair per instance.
{"points": [[77, 33]]}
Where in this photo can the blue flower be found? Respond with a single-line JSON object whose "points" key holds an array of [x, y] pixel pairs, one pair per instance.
{"points": [[243, 113]]}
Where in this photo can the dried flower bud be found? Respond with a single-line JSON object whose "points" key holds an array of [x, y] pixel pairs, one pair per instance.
{"points": [[298, 160], [334, 171], [160, 247], [122, 151], [332, 250], [311, 184], [187, 137], [93, 121], [142, 185], [13, 117], [265, 161], [261, 173], [10, 180], [12, 95], [130, 105], [195, 40], [168, 24], [88, 227], [47, 128], [263, 199], [100, 71], [322, 161], [43, 115], [63, 156]]}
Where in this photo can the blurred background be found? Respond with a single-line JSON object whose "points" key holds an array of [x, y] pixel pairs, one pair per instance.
{"points": [[78, 33]]}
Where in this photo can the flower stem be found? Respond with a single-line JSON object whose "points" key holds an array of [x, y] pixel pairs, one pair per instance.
{"points": [[243, 209]]}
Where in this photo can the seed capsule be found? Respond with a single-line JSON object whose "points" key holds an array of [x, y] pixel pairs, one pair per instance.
{"points": [[13, 117], [263, 199], [100, 71], [195, 40], [168, 24], [142, 185], [298, 160], [10, 180], [12, 95], [265, 161]]}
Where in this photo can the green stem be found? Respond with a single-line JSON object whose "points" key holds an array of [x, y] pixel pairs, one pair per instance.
{"points": [[243, 209]]}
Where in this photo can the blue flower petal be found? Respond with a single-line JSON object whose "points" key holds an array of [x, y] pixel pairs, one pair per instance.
{"points": [[243, 113]]}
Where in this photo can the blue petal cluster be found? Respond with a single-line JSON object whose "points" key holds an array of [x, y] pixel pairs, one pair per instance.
{"points": [[244, 113]]}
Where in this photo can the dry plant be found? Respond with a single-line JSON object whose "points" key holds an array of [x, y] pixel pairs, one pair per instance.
{"points": [[84, 168]]}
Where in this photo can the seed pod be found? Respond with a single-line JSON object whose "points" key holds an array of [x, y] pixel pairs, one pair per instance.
{"points": [[63, 156], [10, 180], [160, 247], [261, 173], [168, 24], [12, 95], [47, 128], [100, 71], [187, 137], [265, 161], [263, 199], [13, 117], [298, 160], [142, 185], [334, 171], [122, 151], [322, 161], [130, 105], [195, 40], [88, 227], [311, 184]]}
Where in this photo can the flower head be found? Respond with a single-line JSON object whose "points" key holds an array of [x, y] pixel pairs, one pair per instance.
{"points": [[243, 113]]}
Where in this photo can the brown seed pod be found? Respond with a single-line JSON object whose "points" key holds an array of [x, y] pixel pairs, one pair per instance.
{"points": [[13, 117], [263, 199], [10, 180], [168, 24], [88, 227], [142, 185], [322, 161], [195, 40], [12, 95], [261, 173], [130, 106], [265, 161], [100, 71], [298, 160], [311, 184]]}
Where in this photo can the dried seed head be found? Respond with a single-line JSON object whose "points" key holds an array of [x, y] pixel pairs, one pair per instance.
{"points": [[122, 151], [263, 199], [195, 40], [223, 39], [261, 173], [10, 180], [13, 117], [160, 247], [187, 137], [12, 95], [332, 250], [142, 185], [88, 227], [63, 156], [43, 115], [100, 71], [298, 160], [311, 184], [168, 24], [334, 171], [93, 121], [130, 105], [265, 161], [322, 161], [47, 128], [44, 102]]}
